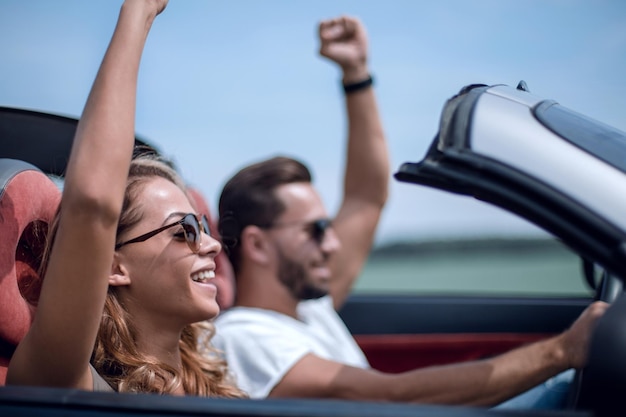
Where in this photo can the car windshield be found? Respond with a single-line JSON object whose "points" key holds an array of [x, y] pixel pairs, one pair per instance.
{"points": [[601, 140]]}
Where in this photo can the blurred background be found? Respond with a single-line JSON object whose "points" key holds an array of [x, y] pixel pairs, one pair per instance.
{"points": [[226, 83]]}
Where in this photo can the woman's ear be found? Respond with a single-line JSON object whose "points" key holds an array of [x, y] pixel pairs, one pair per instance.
{"points": [[119, 274], [254, 245]]}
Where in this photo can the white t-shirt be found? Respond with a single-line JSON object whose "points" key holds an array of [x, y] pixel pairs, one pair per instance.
{"points": [[261, 345]]}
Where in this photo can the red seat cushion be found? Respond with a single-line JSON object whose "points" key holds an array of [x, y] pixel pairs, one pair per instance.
{"points": [[28, 201]]}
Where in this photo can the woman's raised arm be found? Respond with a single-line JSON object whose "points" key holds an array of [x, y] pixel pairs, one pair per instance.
{"points": [[57, 349]]}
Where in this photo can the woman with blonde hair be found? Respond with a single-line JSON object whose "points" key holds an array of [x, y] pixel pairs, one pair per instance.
{"points": [[127, 277]]}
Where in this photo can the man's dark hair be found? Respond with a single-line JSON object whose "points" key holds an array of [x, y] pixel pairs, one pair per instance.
{"points": [[248, 198]]}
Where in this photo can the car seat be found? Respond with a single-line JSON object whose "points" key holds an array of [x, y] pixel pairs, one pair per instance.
{"points": [[224, 274], [28, 202]]}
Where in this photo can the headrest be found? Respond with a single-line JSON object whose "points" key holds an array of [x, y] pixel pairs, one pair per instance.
{"points": [[224, 275], [28, 202]]}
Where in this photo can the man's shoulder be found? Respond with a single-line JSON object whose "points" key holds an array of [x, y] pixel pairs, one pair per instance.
{"points": [[238, 324], [254, 326], [322, 307], [260, 319], [239, 316]]}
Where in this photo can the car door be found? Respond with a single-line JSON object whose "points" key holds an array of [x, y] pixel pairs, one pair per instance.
{"points": [[464, 299], [523, 154]]}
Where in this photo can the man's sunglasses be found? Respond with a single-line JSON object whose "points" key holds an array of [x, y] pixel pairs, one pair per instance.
{"points": [[316, 228], [192, 229]]}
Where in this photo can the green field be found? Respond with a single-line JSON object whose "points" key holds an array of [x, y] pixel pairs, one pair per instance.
{"points": [[486, 266]]}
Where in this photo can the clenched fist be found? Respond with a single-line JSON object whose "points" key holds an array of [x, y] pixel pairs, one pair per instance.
{"points": [[344, 41]]}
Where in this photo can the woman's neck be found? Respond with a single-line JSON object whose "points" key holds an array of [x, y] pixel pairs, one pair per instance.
{"points": [[162, 346]]}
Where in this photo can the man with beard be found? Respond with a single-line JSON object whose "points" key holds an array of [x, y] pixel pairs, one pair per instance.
{"points": [[294, 268]]}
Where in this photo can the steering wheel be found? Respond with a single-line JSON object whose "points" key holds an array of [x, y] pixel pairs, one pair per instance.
{"points": [[608, 289]]}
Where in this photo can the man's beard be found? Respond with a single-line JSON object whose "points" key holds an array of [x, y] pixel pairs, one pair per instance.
{"points": [[294, 276]]}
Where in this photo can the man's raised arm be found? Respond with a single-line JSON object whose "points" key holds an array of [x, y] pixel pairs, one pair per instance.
{"points": [[344, 41]]}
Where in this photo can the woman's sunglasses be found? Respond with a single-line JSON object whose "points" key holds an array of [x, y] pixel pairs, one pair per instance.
{"points": [[316, 228], [192, 229]]}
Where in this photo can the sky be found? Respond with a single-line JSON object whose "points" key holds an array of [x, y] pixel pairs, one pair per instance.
{"points": [[226, 83]]}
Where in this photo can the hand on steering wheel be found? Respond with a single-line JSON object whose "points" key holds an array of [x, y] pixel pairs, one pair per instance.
{"points": [[608, 289]]}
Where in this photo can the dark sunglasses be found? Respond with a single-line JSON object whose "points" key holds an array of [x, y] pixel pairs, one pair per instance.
{"points": [[192, 229], [316, 228]]}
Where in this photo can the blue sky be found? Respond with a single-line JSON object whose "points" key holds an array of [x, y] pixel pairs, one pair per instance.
{"points": [[225, 83]]}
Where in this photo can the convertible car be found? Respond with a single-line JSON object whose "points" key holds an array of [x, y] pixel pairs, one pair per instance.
{"points": [[556, 168]]}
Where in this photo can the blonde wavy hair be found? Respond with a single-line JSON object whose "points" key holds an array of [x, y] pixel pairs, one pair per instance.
{"points": [[115, 355]]}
